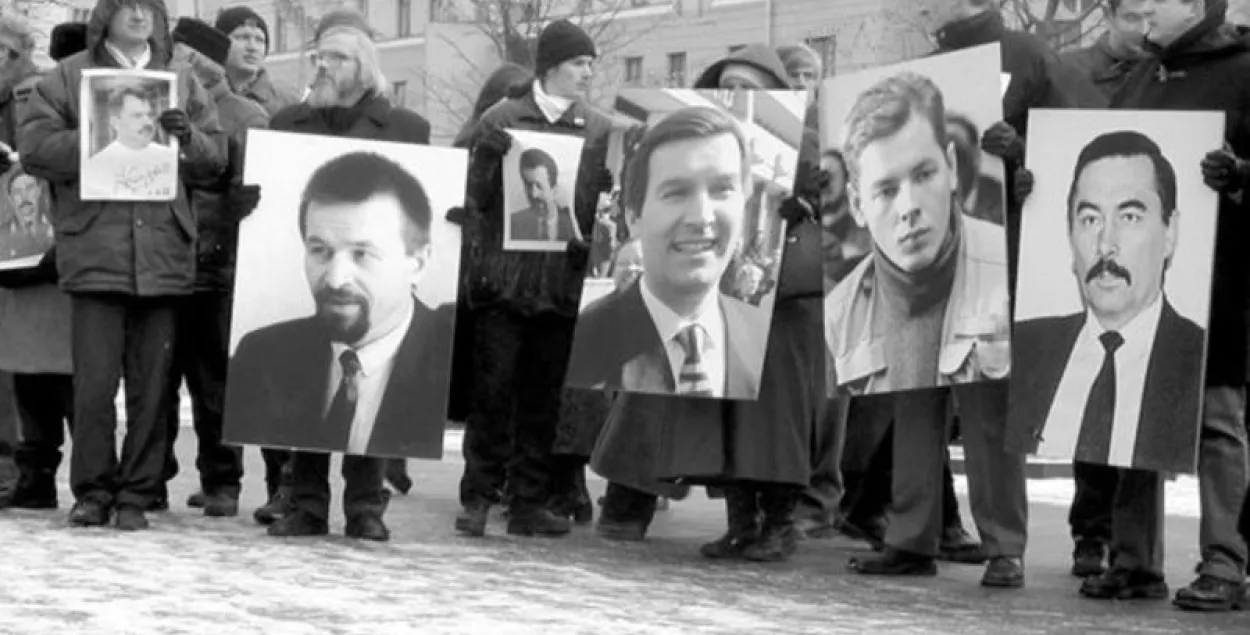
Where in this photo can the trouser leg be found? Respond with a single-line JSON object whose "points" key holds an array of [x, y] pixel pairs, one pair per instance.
{"points": [[1222, 477], [151, 326], [997, 490], [915, 516], [207, 325], [98, 342], [488, 431]]}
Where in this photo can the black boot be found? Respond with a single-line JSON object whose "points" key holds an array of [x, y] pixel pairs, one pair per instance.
{"points": [[743, 512], [778, 538], [36, 489]]}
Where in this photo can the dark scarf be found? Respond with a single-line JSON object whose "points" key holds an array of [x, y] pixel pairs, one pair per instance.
{"points": [[915, 293], [340, 119]]}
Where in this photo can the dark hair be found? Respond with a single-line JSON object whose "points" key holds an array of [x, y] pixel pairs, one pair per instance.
{"points": [[885, 108], [499, 85], [969, 167], [1125, 144], [695, 122], [117, 97], [359, 176], [534, 158], [834, 153]]}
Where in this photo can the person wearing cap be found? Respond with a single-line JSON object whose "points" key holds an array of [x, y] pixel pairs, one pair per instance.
{"points": [[202, 346], [245, 65], [124, 264], [34, 318], [347, 99], [803, 65], [525, 303]]}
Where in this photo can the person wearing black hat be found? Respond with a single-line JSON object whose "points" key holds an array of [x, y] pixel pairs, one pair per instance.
{"points": [[245, 66], [525, 303], [201, 358]]}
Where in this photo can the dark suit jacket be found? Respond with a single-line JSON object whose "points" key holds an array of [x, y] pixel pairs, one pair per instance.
{"points": [[278, 387], [525, 225], [1167, 433], [616, 347]]}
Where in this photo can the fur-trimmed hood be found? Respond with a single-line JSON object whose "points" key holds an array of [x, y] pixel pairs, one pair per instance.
{"points": [[162, 41]]}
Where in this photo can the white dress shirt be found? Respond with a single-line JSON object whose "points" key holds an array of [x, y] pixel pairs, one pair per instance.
{"points": [[1063, 424], [709, 318], [377, 358]]}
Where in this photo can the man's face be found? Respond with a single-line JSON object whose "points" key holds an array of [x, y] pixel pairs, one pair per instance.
{"points": [[571, 78], [539, 189], [24, 192], [358, 268], [745, 77], [802, 77], [1127, 26], [338, 70], [133, 22], [1119, 239], [691, 219], [247, 49], [134, 124], [903, 195], [1167, 20]]}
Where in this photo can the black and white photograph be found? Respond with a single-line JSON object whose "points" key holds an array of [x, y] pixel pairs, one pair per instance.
{"points": [[26, 231], [125, 154], [1117, 247], [344, 304], [539, 178], [685, 305], [916, 270]]}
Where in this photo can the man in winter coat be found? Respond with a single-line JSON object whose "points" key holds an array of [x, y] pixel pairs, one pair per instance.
{"points": [[125, 264], [348, 99], [1198, 62], [35, 314], [202, 347], [525, 303], [245, 66]]}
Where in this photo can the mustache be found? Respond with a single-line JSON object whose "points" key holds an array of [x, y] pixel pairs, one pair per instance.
{"points": [[337, 296], [1108, 265]]}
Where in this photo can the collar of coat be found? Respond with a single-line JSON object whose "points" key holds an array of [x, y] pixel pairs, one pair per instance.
{"points": [[374, 107], [983, 28]]}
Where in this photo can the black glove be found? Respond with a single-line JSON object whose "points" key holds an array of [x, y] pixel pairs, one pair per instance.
{"points": [[1023, 185], [6, 162], [1002, 141], [577, 248], [605, 181], [177, 124], [494, 141], [242, 200], [43, 273], [795, 210], [456, 215], [1223, 172]]}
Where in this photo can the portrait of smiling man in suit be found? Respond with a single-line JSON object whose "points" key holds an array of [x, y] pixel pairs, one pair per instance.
{"points": [[1120, 382], [367, 374], [672, 331]]}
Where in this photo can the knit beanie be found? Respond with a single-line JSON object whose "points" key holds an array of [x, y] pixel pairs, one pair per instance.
{"points": [[67, 38], [230, 19], [559, 42], [205, 39]]}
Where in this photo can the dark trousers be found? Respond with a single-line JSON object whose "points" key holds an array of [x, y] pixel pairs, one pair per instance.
{"points": [[45, 407], [823, 496], [8, 416], [519, 367], [202, 352], [363, 491], [115, 337], [1090, 515], [1137, 514], [277, 469], [996, 479]]}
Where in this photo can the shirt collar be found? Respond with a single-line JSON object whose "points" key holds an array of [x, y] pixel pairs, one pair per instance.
{"points": [[669, 324], [552, 107], [1139, 331], [138, 63], [374, 355]]}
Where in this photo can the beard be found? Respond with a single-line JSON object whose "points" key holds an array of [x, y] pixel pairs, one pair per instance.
{"points": [[343, 327], [327, 91]]}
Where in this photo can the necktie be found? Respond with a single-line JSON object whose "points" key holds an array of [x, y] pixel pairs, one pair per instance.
{"points": [[1093, 445], [338, 421], [544, 232], [693, 380]]}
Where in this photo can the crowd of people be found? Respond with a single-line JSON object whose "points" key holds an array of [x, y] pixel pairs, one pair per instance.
{"points": [[141, 291]]}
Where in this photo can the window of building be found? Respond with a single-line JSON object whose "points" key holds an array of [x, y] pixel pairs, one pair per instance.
{"points": [[399, 92], [363, 7], [80, 15], [633, 70], [677, 70], [827, 48], [403, 18]]}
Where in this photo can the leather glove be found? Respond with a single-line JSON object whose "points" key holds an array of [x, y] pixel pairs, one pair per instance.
{"points": [[456, 215], [795, 210], [1002, 141], [494, 141], [242, 200], [605, 181], [1023, 185], [177, 124], [43, 273], [6, 162], [1224, 172], [577, 248]]}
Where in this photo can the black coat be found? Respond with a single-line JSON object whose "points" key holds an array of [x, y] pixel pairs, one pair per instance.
{"points": [[1207, 69]]}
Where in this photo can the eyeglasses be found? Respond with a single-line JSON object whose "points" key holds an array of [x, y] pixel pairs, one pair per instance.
{"points": [[328, 58]]}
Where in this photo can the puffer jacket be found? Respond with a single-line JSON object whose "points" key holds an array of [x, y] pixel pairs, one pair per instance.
{"points": [[531, 283], [133, 248]]}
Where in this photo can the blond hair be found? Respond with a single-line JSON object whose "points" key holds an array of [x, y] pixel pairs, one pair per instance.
{"points": [[370, 72]]}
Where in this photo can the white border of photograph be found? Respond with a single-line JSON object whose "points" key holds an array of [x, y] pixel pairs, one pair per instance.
{"points": [[566, 151], [87, 126]]}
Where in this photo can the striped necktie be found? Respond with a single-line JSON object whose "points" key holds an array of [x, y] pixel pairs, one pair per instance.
{"points": [[693, 380]]}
